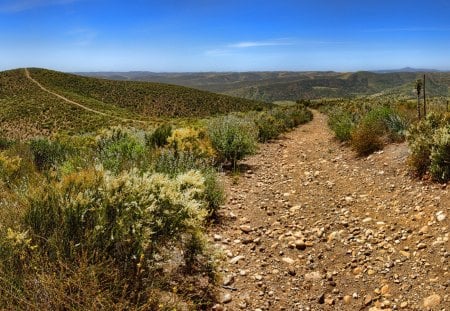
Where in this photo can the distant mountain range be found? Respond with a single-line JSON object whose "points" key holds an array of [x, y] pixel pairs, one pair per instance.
{"points": [[407, 69], [288, 85]]}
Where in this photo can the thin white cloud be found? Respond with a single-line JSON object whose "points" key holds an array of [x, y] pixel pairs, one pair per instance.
{"points": [[14, 6], [234, 48], [251, 44]]}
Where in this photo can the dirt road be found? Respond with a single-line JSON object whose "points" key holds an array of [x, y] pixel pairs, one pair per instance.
{"points": [[309, 226]]}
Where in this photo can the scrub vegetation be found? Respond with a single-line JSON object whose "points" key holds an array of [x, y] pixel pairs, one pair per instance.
{"points": [[104, 215]]}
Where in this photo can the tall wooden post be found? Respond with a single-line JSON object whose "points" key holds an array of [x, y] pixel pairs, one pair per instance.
{"points": [[418, 88], [424, 98]]}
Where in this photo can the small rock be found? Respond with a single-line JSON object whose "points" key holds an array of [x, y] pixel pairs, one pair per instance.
{"points": [[385, 290], [236, 259], [348, 199], [288, 260], [300, 244], [357, 270], [291, 271], [217, 237], [245, 228], [329, 301], [217, 307], [367, 300], [313, 276], [335, 235], [226, 298], [405, 254], [321, 299], [404, 304], [421, 246], [423, 230], [440, 216], [228, 280], [347, 299], [432, 301]]}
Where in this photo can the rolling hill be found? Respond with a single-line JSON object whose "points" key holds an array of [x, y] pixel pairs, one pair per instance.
{"points": [[48, 101], [274, 86]]}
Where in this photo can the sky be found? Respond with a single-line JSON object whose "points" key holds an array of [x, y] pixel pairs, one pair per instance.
{"points": [[224, 35]]}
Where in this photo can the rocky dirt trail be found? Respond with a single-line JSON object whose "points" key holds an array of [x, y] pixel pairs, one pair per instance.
{"points": [[311, 227]]}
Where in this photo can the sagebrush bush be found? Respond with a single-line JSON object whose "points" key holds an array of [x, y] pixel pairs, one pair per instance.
{"points": [[440, 155], [378, 126], [192, 141], [420, 138], [119, 150], [47, 154], [214, 194], [268, 126], [341, 123], [127, 218], [174, 163], [423, 139], [159, 136], [10, 167], [233, 138], [367, 138]]}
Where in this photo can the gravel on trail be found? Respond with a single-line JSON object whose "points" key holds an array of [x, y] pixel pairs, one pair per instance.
{"points": [[309, 226]]}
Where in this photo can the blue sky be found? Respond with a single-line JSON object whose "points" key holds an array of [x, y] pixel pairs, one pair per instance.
{"points": [[224, 35]]}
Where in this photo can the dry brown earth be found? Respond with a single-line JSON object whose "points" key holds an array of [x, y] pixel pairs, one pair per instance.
{"points": [[308, 226]]}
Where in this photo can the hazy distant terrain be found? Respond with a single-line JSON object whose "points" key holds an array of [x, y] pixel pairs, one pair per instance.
{"points": [[280, 85]]}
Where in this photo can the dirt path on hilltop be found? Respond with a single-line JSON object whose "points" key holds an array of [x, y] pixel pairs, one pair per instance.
{"points": [[311, 227], [27, 74]]}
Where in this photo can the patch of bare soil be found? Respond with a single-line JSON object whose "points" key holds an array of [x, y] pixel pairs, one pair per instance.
{"points": [[308, 226]]}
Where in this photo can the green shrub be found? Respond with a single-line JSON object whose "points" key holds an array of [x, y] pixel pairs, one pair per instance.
{"points": [[5, 143], [366, 138], [421, 140], [214, 194], [128, 218], [119, 150], [440, 155], [174, 163], [192, 141], [341, 123], [377, 127], [47, 154], [9, 168], [159, 136], [268, 127], [397, 127], [233, 138]]}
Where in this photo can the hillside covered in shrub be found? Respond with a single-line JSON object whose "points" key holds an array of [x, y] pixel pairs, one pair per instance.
{"points": [[146, 98], [26, 110]]}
